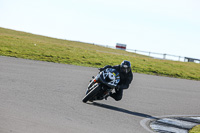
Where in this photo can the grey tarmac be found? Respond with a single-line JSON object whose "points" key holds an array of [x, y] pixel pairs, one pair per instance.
{"points": [[45, 97]]}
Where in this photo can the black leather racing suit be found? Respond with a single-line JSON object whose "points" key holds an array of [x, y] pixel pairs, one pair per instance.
{"points": [[125, 80]]}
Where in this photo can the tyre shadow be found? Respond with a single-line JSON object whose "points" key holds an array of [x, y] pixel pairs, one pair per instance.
{"points": [[118, 109]]}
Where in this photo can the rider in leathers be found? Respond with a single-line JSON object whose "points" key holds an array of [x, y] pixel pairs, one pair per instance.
{"points": [[126, 77]]}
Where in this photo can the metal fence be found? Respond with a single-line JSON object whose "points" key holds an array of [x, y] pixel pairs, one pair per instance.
{"points": [[162, 56], [165, 56], [159, 55]]}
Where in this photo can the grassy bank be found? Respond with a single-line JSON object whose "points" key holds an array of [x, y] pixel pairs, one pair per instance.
{"points": [[30, 46]]}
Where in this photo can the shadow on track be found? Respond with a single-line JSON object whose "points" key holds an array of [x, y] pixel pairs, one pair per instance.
{"points": [[122, 110]]}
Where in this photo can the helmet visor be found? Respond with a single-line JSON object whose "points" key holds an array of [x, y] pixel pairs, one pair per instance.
{"points": [[125, 69]]}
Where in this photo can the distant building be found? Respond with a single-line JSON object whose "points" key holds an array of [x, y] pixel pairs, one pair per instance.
{"points": [[187, 59], [121, 46]]}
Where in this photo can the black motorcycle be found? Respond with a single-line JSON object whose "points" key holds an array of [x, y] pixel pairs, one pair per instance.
{"points": [[101, 85]]}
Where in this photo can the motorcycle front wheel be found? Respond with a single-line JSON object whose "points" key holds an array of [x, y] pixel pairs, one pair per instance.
{"points": [[94, 90]]}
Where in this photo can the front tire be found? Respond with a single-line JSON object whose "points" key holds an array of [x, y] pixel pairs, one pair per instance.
{"points": [[94, 90]]}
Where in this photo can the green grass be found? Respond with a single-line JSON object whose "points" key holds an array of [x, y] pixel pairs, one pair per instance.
{"points": [[195, 129], [29, 46]]}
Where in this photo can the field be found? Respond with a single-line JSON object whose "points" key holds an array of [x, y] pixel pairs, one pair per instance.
{"points": [[29, 46]]}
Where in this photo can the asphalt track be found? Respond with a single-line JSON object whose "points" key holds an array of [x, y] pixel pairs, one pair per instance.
{"points": [[43, 97]]}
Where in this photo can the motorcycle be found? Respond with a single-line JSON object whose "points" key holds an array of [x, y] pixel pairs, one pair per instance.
{"points": [[102, 85]]}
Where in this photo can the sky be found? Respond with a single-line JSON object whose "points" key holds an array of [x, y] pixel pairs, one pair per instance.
{"points": [[161, 26]]}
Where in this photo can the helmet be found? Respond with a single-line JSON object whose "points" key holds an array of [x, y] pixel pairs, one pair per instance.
{"points": [[125, 66]]}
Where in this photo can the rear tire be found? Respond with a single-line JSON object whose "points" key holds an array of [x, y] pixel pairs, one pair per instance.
{"points": [[96, 88]]}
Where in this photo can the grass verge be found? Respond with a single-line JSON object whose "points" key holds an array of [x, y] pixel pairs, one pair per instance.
{"points": [[195, 129], [29, 46]]}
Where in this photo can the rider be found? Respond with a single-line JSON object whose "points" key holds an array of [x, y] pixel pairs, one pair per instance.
{"points": [[126, 77]]}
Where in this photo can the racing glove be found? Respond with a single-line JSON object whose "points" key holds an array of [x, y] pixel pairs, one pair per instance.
{"points": [[100, 69]]}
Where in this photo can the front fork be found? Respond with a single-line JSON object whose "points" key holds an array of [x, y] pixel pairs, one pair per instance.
{"points": [[92, 82]]}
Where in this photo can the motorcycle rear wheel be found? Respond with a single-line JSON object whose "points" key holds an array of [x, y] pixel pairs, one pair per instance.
{"points": [[96, 88]]}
